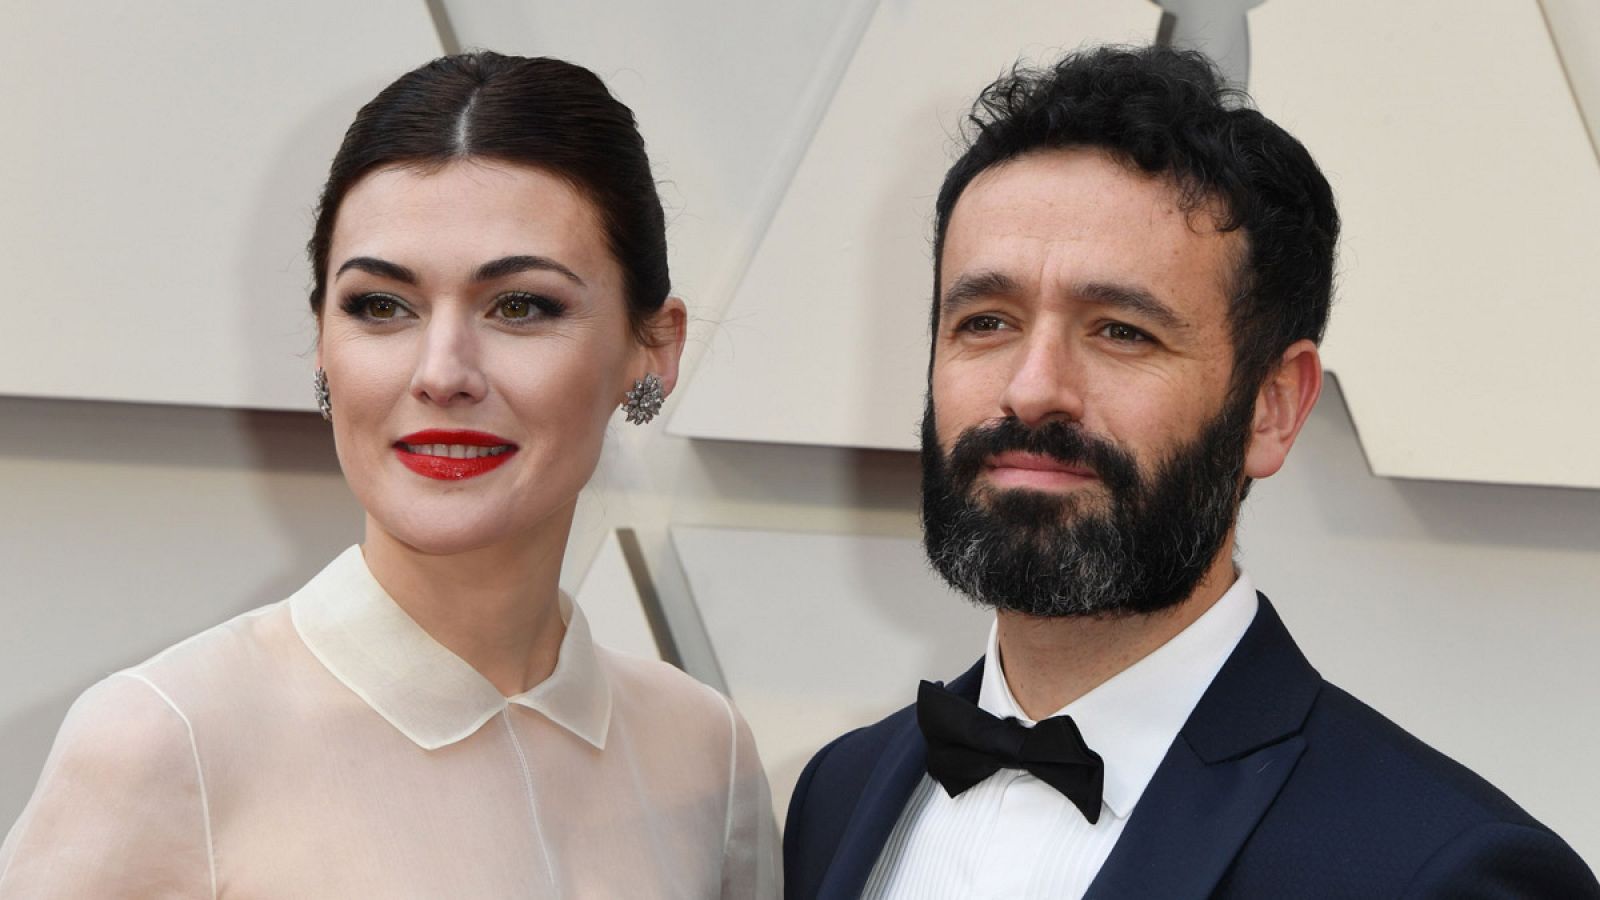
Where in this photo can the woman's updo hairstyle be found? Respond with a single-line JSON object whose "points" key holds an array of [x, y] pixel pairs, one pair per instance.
{"points": [[539, 112]]}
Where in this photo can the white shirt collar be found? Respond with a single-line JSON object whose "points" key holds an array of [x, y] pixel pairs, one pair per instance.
{"points": [[428, 693], [1132, 719]]}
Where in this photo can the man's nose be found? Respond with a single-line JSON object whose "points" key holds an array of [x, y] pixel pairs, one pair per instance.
{"points": [[1045, 382], [448, 368]]}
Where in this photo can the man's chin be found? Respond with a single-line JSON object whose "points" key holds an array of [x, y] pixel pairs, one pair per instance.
{"points": [[1031, 508]]}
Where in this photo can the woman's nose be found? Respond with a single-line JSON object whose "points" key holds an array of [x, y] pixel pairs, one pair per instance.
{"points": [[448, 370]]}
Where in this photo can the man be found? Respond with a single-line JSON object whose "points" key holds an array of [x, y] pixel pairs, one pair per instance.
{"points": [[1132, 273]]}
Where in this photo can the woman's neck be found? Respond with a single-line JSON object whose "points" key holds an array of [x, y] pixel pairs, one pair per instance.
{"points": [[496, 607]]}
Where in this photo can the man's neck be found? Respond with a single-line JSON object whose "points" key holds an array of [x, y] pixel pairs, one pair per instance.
{"points": [[1050, 662]]}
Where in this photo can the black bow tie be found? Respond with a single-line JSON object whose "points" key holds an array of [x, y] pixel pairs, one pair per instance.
{"points": [[967, 745]]}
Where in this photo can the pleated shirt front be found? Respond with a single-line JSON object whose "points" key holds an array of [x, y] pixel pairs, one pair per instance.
{"points": [[1012, 836]]}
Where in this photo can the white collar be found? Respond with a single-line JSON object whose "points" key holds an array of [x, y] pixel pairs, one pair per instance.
{"points": [[1132, 719], [428, 693]]}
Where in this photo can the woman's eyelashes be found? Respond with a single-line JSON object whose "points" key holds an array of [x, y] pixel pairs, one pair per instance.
{"points": [[521, 308], [375, 307], [516, 308]]}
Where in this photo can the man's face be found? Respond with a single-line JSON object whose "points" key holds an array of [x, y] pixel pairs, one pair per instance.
{"points": [[1080, 455]]}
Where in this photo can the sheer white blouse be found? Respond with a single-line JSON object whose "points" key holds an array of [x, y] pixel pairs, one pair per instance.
{"points": [[327, 746]]}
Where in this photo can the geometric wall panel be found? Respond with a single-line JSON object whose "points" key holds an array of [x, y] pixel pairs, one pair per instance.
{"points": [[1467, 302], [1468, 309], [817, 634], [1575, 28], [825, 339], [161, 163], [613, 604], [727, 95]]}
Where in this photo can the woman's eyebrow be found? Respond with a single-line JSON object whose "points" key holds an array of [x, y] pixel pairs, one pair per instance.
{"points": [[510, 265], [380, 267]]}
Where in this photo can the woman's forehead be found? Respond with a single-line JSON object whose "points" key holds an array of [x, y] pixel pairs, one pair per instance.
{"points": [[469, 211]]}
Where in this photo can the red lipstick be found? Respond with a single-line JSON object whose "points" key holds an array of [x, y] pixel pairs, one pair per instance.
{"points": [[451, 455]]}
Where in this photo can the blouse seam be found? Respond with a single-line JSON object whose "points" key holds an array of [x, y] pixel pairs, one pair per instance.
{"points": [[199, 773], [733, 770], [527, 786]]}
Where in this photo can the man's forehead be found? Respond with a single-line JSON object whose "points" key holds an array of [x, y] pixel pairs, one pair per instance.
{"points": [[1083, 212], [1079, 190]]}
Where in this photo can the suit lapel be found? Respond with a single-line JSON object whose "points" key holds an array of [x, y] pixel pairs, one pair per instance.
{"points": [[901, 766], [1221, 774], [1191, 822]]}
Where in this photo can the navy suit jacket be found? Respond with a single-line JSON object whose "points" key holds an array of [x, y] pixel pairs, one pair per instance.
{"points": [[1279, 785]]}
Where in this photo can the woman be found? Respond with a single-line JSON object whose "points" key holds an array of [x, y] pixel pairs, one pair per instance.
{"points": [[428, 717]]}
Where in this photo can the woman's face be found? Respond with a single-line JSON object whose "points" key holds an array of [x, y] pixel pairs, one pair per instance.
{"points": [[476, 342]]}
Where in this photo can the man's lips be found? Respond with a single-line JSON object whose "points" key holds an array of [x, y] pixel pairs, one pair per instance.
{"points": [[453, 455], [1018, 469]]}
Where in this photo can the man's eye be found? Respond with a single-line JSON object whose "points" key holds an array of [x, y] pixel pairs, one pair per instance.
{"points": [[982, 324], [1124, 334]]}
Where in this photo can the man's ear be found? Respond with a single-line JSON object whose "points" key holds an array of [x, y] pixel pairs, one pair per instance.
{"points": [[668, 328], [1283, 402]]}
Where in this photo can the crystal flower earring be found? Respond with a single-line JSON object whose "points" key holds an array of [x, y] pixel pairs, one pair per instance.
{"points": [[319, 386], [644, 401]]}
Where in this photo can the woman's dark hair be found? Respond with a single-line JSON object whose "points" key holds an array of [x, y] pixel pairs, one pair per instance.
{"points": [[539, 112], [1168, 112]]}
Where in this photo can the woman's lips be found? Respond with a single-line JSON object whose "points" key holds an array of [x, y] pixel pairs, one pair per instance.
{"points": [[1032, 470], [452, 455]]}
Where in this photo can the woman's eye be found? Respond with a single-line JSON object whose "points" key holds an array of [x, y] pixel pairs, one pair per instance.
{"points": [[525, 307], [382, 308], [375, 307]]}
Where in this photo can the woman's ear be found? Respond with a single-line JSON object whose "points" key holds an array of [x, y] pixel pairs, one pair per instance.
{"points": [[1283, 403], [665, 332]]}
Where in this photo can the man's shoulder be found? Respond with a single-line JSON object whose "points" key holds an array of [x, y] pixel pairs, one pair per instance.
{"points": [[1355, 758], [1381, 763], [845, 764], [1367, 790]]}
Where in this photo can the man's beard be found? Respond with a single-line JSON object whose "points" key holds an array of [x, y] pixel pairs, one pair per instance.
{"points": [[1140, 545]]}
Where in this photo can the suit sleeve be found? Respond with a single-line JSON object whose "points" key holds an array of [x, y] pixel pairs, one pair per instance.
{"points": [[797, 800], [1502, 861], [120, 809], [801, 855]]}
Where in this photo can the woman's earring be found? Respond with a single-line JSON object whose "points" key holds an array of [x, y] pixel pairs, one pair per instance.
{"points": [[644, 401], [319, 385]]}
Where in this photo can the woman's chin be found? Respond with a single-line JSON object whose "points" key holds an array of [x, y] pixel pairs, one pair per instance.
{"points": [[444, 538]]}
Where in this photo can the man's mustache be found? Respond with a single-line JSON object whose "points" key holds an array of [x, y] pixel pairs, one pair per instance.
{"points": [[1066, 443]]}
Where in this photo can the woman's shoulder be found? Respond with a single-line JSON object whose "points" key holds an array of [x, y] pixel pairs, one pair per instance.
{"points": [[630, 673], [216, 670], [245, 641], [650, 688], [150, 720], [123, 728]]}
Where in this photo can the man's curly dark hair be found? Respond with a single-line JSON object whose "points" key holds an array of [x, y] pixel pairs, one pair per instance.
{"points": [[1168, 112]]}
